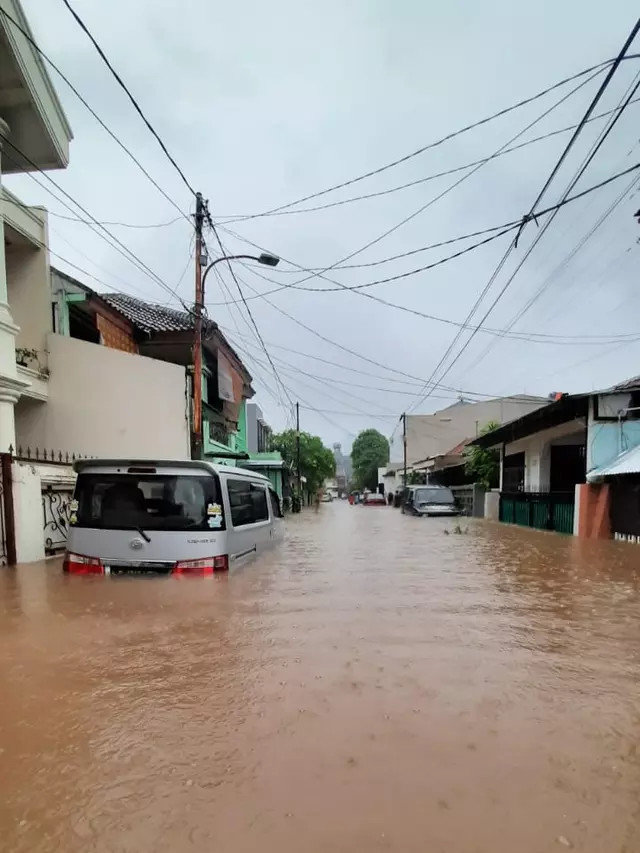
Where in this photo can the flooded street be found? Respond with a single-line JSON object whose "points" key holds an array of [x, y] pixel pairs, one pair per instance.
{"points": [[373, 685]]}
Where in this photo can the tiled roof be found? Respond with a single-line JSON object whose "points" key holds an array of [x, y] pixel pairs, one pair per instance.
{"points": [[147, 316], [457, 450], [150, 317]]}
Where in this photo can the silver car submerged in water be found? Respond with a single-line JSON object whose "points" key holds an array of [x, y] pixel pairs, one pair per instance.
{"points": [[430, 500], [168, 517]]}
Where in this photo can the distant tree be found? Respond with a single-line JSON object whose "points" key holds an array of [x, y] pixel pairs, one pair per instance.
{"points": [[484, 465], [370, 451], [316, 461]]}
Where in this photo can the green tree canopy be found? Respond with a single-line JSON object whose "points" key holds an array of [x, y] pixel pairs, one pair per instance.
{"points": [[316, 461], [483, 464], [370, 451]]}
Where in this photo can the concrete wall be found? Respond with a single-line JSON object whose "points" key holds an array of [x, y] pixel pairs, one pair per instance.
{"points": [[253, 412], [492, 505], [436, 434], [537, 452], [608, 438], [103, 402], [29, 297], [27, 507]]}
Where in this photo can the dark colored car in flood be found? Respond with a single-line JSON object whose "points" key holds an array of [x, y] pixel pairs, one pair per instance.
{"points": [[429, 500]]}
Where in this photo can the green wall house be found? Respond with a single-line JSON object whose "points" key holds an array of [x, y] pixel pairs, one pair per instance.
{"points": [[254, 437]]}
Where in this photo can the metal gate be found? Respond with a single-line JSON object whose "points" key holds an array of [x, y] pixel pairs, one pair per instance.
{"points": [[7, 527], [542, 510]]}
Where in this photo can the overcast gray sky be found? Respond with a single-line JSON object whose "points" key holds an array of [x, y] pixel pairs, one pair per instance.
{"points": [[264, 103]]}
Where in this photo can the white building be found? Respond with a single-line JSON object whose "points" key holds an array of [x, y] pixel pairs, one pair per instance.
{"points": [[59, 395], [433, 435], [34, 133]]}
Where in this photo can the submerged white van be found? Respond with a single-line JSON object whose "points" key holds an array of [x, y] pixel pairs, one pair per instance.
{"points": [[180, 518]]}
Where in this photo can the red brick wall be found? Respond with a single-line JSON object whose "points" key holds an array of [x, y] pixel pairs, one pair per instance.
{"points": [[115, 336]]}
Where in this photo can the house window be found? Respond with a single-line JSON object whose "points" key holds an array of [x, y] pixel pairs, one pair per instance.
{"points": [[212, 391]]}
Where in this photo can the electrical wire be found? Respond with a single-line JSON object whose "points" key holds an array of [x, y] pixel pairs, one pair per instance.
{"points": [[121, 224], [350, 351], [247, 308], [121, 247], [457, 393], [87, 258], [358, 288], [312, 408], [540, 234], [444, 192], [601, 90], [136, 107], [232, 219], [548, 281], [69, 263], [85, 103], [327, 381], [600, 66], [533, 337], [133, 101], [349, 414], [278, 395], [190, 259]]}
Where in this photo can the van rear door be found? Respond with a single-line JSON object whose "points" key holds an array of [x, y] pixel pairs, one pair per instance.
{"points": [[129, 516]]}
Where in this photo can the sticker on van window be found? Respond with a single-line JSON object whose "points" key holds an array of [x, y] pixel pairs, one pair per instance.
{"points": [[73, 519], [214, 509], [73, 506], [215, 521]]}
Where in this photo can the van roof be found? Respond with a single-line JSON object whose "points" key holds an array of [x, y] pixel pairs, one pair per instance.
{"points": [[87, 464]]}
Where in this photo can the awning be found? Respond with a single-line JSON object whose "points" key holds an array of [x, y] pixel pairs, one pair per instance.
{"points": [[625, 463]]}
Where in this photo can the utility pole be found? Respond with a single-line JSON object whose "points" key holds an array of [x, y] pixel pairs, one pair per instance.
{"points": [[404, 447], [299, 473], [196, 426]]}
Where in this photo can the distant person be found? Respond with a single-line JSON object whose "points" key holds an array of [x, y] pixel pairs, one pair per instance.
{"points": [[318, 498], [390, 498]]}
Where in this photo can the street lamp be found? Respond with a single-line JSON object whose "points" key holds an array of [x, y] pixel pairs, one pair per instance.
{"points": [[265, 258]]}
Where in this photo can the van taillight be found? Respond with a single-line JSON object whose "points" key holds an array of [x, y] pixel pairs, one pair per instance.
{"points": [[202, 568], [78, 564]]}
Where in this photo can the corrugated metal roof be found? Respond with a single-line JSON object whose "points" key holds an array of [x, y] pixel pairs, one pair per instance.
{"points": [[626, 463], [627, 385]]}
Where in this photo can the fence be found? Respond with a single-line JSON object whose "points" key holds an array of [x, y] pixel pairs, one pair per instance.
{"points": [[56, 503], [57, 483], [7, 526], [470, 499], [541, 510], [51, 457]]}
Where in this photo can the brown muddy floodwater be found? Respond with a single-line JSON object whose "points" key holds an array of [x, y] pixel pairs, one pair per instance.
{"points": [[374, 685]]}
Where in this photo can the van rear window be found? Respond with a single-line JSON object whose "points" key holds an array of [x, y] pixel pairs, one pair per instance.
{"points": [[150, 502]]}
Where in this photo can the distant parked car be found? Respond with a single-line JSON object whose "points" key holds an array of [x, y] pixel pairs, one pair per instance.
{"points": [[327, 497], [429, 500], [374, 499]]}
